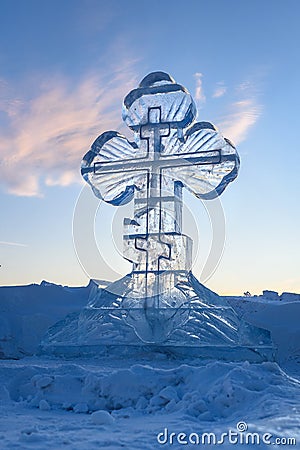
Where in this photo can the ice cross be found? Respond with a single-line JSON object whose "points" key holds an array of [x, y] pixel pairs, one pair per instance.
{"points": [[170, 152]]}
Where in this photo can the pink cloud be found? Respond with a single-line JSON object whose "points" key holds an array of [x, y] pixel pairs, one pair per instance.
{"points": [[242, 116], [43, 139], [220, 90]]}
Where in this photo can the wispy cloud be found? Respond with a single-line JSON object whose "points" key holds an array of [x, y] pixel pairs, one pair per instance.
{"points": [[242, 114], [220, 90], [16, 244], [199, 93], [42, 139]]}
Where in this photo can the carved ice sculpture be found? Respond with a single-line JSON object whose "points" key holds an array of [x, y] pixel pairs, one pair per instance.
{"points": [[170, 151], [160, 305]]}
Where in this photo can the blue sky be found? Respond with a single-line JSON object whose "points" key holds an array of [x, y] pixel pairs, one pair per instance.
{"points": [[65, 67]]}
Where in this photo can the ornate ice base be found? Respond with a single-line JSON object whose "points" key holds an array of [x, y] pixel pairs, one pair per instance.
{"points": [[189, 321]]}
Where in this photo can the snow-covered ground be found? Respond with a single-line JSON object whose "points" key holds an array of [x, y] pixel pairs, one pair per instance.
{"points": [[52, 403], [48, 403]]}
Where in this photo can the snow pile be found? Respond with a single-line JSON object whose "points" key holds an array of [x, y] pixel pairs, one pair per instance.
{"points": [[284, 297], [210, 391], [126, 404], [26, 312], [281, 318], [102, 418]]}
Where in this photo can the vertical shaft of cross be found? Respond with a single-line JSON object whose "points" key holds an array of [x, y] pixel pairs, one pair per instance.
{"points": [[153, 132]]}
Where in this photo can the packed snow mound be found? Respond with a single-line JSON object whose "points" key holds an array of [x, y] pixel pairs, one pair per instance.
{"points": [[210, 391]]}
